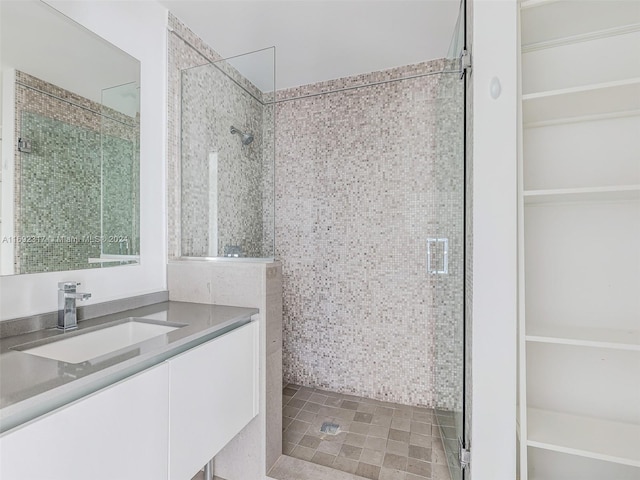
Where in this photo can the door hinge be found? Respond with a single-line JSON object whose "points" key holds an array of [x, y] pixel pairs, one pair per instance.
{"points": [[464, 454], [24, 145], [465, 62]]}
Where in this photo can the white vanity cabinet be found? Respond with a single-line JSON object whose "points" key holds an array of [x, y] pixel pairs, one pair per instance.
{"points": [[116, 433], [164, 423], [213, 394]]}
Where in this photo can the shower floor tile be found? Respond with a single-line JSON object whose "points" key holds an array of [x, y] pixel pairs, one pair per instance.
{"points": [[375, 440]]}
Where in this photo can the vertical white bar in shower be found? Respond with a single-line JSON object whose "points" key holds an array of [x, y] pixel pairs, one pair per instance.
{"points": [[213, 204]]}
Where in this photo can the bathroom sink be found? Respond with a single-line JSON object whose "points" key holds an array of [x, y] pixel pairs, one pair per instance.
{"points": [[82, 346]]}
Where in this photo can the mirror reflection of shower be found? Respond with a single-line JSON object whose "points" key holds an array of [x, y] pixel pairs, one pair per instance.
{"points": [[247, 138]]}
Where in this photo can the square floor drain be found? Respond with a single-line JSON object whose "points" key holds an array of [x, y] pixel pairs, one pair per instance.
{"points": [[330, 428]]}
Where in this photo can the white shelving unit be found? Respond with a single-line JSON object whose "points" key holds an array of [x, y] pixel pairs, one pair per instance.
{"points": [[579, 240]]}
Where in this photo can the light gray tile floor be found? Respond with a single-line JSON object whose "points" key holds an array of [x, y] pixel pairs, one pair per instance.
{"points": [[375, 440]]}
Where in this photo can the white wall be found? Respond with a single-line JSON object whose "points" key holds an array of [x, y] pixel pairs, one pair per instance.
{"points": [[8, 94], [138, 28], [494, 242]]}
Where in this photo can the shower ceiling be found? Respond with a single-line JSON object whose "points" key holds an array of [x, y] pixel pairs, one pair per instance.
{"points": [[323, 40]]}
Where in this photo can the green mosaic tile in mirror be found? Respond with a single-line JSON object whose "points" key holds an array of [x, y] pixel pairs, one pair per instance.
{"points": [[77, 190], [60, 196], [120, 202]]}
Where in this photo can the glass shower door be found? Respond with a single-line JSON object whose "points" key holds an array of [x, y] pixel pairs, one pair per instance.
{"points": [[447, 256]]}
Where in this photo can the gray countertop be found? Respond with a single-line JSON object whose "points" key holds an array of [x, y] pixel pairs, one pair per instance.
{"points": [[31, 386]]}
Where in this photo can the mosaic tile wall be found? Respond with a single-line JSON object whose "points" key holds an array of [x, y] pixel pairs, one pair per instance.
{"points": [[361, 177], [120, 195], [64, 161], [62, 176], [268, 176], [211, 104], [204, 102], [180, 55]]}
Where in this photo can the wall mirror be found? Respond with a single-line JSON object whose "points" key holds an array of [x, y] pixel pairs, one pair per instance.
{"points": [[70, 123]]}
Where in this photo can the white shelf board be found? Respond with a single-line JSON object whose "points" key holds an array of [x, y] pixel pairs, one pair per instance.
{"points": [[547, 20], [584, 436], [620, 192], [585, 118], [617, 339], [617, 97], [582, 37], [548, 465]]}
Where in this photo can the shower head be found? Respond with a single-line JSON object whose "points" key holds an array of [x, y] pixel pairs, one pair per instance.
{"points": [[247, 138]]}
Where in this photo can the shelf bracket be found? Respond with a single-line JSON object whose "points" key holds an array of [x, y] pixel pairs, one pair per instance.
{"points": [[464, 454]]}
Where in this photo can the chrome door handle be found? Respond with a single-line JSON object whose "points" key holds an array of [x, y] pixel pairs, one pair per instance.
{"points": [[437, 247]]}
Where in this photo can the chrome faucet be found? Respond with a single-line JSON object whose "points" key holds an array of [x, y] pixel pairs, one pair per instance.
{"points": [[67, 296]]}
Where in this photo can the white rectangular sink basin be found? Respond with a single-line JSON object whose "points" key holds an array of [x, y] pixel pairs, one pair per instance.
{"points": [[86, 346]]}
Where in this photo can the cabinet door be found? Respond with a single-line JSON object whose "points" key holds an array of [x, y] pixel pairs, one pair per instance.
{"points": [[118, 433], [213, 392]]}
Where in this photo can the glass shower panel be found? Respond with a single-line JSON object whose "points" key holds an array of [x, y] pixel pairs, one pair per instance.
{"points": [[120, 176], [227, 157], [450, 277]]}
